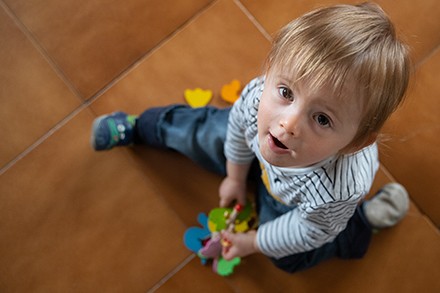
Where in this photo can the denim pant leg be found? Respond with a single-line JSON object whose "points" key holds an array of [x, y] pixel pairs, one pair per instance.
{"points": [[198, 133], [351, 243]]}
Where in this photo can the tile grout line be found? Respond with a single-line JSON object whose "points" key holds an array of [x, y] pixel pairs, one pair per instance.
{"points": [[40, 49], [58, 72], [45, 136], [171, 273], [84, 103], [387, 172], [426, 57], [252, 18], [135, 64]]}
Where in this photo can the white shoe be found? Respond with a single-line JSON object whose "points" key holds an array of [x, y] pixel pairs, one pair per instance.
{"points": [[387, 207]]}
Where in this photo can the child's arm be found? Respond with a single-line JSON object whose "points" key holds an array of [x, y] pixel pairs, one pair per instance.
{"points": [[233, 186], [238, 153]]}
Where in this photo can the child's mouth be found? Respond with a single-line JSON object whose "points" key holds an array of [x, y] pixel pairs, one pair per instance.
{"points": [[278, 143]]}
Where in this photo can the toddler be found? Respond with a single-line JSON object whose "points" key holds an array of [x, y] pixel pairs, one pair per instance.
{"points": [[305, 133]]}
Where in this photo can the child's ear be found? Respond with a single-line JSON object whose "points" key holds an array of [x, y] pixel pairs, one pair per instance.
{"points": [[354, 148]]}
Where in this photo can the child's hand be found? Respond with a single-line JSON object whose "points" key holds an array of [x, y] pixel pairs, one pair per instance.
{"points": [[233, 186], [230, 190], [241, 244]]}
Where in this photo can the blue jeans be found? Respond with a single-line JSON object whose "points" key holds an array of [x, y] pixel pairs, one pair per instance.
{"points": [[200, 135]]}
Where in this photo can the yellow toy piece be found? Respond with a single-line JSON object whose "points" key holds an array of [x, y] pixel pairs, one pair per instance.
{"points": [[197, 98], [241, 227]]}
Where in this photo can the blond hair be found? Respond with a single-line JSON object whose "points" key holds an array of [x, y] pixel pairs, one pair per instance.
{"points": [[329, 46]]}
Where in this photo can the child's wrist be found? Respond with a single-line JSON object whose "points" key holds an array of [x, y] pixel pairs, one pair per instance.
{"points": [[235, 179], [255, 245]]}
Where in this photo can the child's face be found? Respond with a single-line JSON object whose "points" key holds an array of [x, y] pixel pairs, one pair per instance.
{"points": [[298, 127]]}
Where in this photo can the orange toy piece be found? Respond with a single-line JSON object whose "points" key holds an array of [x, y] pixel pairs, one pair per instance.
{"points": [[197, 97], [230, 91]]}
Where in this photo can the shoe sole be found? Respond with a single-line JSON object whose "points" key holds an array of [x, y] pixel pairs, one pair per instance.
{"points": [[94, 128]]}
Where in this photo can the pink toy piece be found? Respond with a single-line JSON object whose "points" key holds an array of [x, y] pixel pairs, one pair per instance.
{"points": [[215, 265], [212, 248]]}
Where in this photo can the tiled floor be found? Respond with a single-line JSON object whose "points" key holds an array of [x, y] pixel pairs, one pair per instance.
{"points": [[72, 220]]}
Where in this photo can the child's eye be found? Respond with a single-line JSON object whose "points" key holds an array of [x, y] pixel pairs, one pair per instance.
{"points": [[285, 93], [322, 120]]}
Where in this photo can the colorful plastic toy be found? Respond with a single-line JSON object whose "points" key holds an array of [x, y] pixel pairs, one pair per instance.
{"points": [[197, 97], [231, 92], [207, 243]]}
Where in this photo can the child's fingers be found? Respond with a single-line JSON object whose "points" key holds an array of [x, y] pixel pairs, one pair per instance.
{"points": [[229, 254], [228, 237], [224, 202], [227, 250]]}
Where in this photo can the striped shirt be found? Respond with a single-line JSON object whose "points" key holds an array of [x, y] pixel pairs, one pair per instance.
{"points": [[325, 194]]}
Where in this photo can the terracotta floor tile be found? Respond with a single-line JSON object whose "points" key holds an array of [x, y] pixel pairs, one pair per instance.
{"points": [[33, 99], [187, 188], [412, 154], [72, 220], [418, 21], [272, 15], [208, 53], [404, 258], [94, 41]]}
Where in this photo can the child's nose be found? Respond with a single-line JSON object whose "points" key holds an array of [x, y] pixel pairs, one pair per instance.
{"points": [[291, 124]]}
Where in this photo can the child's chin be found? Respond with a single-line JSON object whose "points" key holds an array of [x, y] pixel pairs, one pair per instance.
{"points": [[276, 160]]}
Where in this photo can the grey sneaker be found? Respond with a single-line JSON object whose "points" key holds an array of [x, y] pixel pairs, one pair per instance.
{"points": [[387, 207]]}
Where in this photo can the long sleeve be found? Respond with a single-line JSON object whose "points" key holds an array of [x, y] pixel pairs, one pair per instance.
{"points": [[304, 228], [242, 126]]}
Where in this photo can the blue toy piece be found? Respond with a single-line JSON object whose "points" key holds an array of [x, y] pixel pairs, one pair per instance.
{"points": [[194, 236]]}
